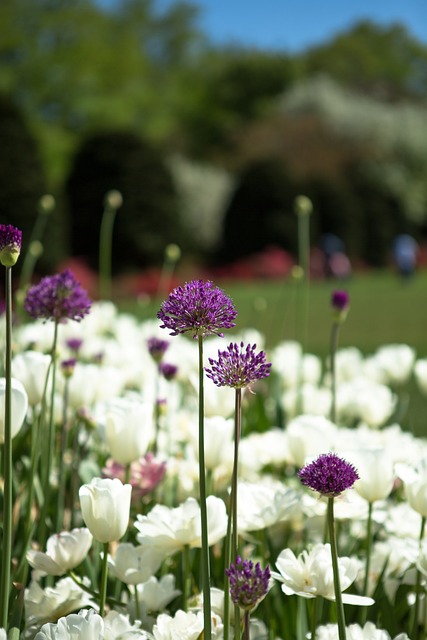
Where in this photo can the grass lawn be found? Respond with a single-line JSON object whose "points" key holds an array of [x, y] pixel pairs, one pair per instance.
{"points": [[383, 310]]}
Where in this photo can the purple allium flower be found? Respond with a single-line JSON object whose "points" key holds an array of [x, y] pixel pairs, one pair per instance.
{"points": [[59, 298], [248, 583], [329, 474], [74, 344], [198, 307], [340, 300], [157, 348], [168, 370], [68, 366], [238, 367], [10, 244]]}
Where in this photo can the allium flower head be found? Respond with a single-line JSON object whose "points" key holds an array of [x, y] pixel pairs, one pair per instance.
{"points": [[198, 307], [168, 370], [340, 301], [10, 244], [157, 348], [59, 298], [238, 367], [248, 583], [329, 474]]}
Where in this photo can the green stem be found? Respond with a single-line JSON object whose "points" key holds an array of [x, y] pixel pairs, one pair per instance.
{"points": [[103, 583], [334, 346], [62, 470], [416, 610], [203, 507], [247, 625], [314, 612], [335, 569], [105, 251], [137, 605], [7, 462], [368, 549], [237, 432], [304, 262], [186, 578], [50, 444]]}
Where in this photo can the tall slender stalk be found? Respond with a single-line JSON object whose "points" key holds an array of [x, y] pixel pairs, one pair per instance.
{"points": [[335, 569], [7, 463], [231, 546], [203, 508], [103, 583], [415, 627], [113, 201], [334, 346], [50, 449]]}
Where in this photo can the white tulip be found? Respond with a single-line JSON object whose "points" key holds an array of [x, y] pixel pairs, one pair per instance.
{"points": [[420, 370], [84, 625], [19, 406], [310, 574], [376, 473], [415, 485], [156, 594], [30, 368], [105, 505], [170, 530], [134, 565], [64, 551], [308, 436], [129, 429], [185, 626], [45, 605]]}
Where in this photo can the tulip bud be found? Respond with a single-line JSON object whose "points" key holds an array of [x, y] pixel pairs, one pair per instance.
{"points": [[105, 505]]}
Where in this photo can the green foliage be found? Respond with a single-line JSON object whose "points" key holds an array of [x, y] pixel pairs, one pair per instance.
{"points": [[385, 62], [21, 174], [148, 219]]}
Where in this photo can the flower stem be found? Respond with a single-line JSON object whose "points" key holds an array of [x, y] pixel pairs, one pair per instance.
{"points": [[103, 584], [415, 613], [50, 444], [7, 462], [368, 549], [335, 569], [203, 507], [235, 533], [137, 605], [105, 251], [334, 346], [247, 625]]}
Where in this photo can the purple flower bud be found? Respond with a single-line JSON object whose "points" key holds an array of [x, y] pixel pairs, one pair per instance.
{"points": [[248, 583], [340, 300], [10, 244], [329, 474], [157, 348], [168, 370]]}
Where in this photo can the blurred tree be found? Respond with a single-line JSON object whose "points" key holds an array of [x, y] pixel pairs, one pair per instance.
{"points": [[385, 62], [148, 219], [261, 212], [237, 87], [22, 183]]}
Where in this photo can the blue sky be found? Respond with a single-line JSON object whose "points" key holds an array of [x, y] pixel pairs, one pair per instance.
{"points": [[293, 26]]}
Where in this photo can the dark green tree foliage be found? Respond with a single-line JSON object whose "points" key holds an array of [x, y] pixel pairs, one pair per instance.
{"points": [[382, 217], [21, 175], [385, 62], [148, 219], [261, 212], [336, 210]]}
